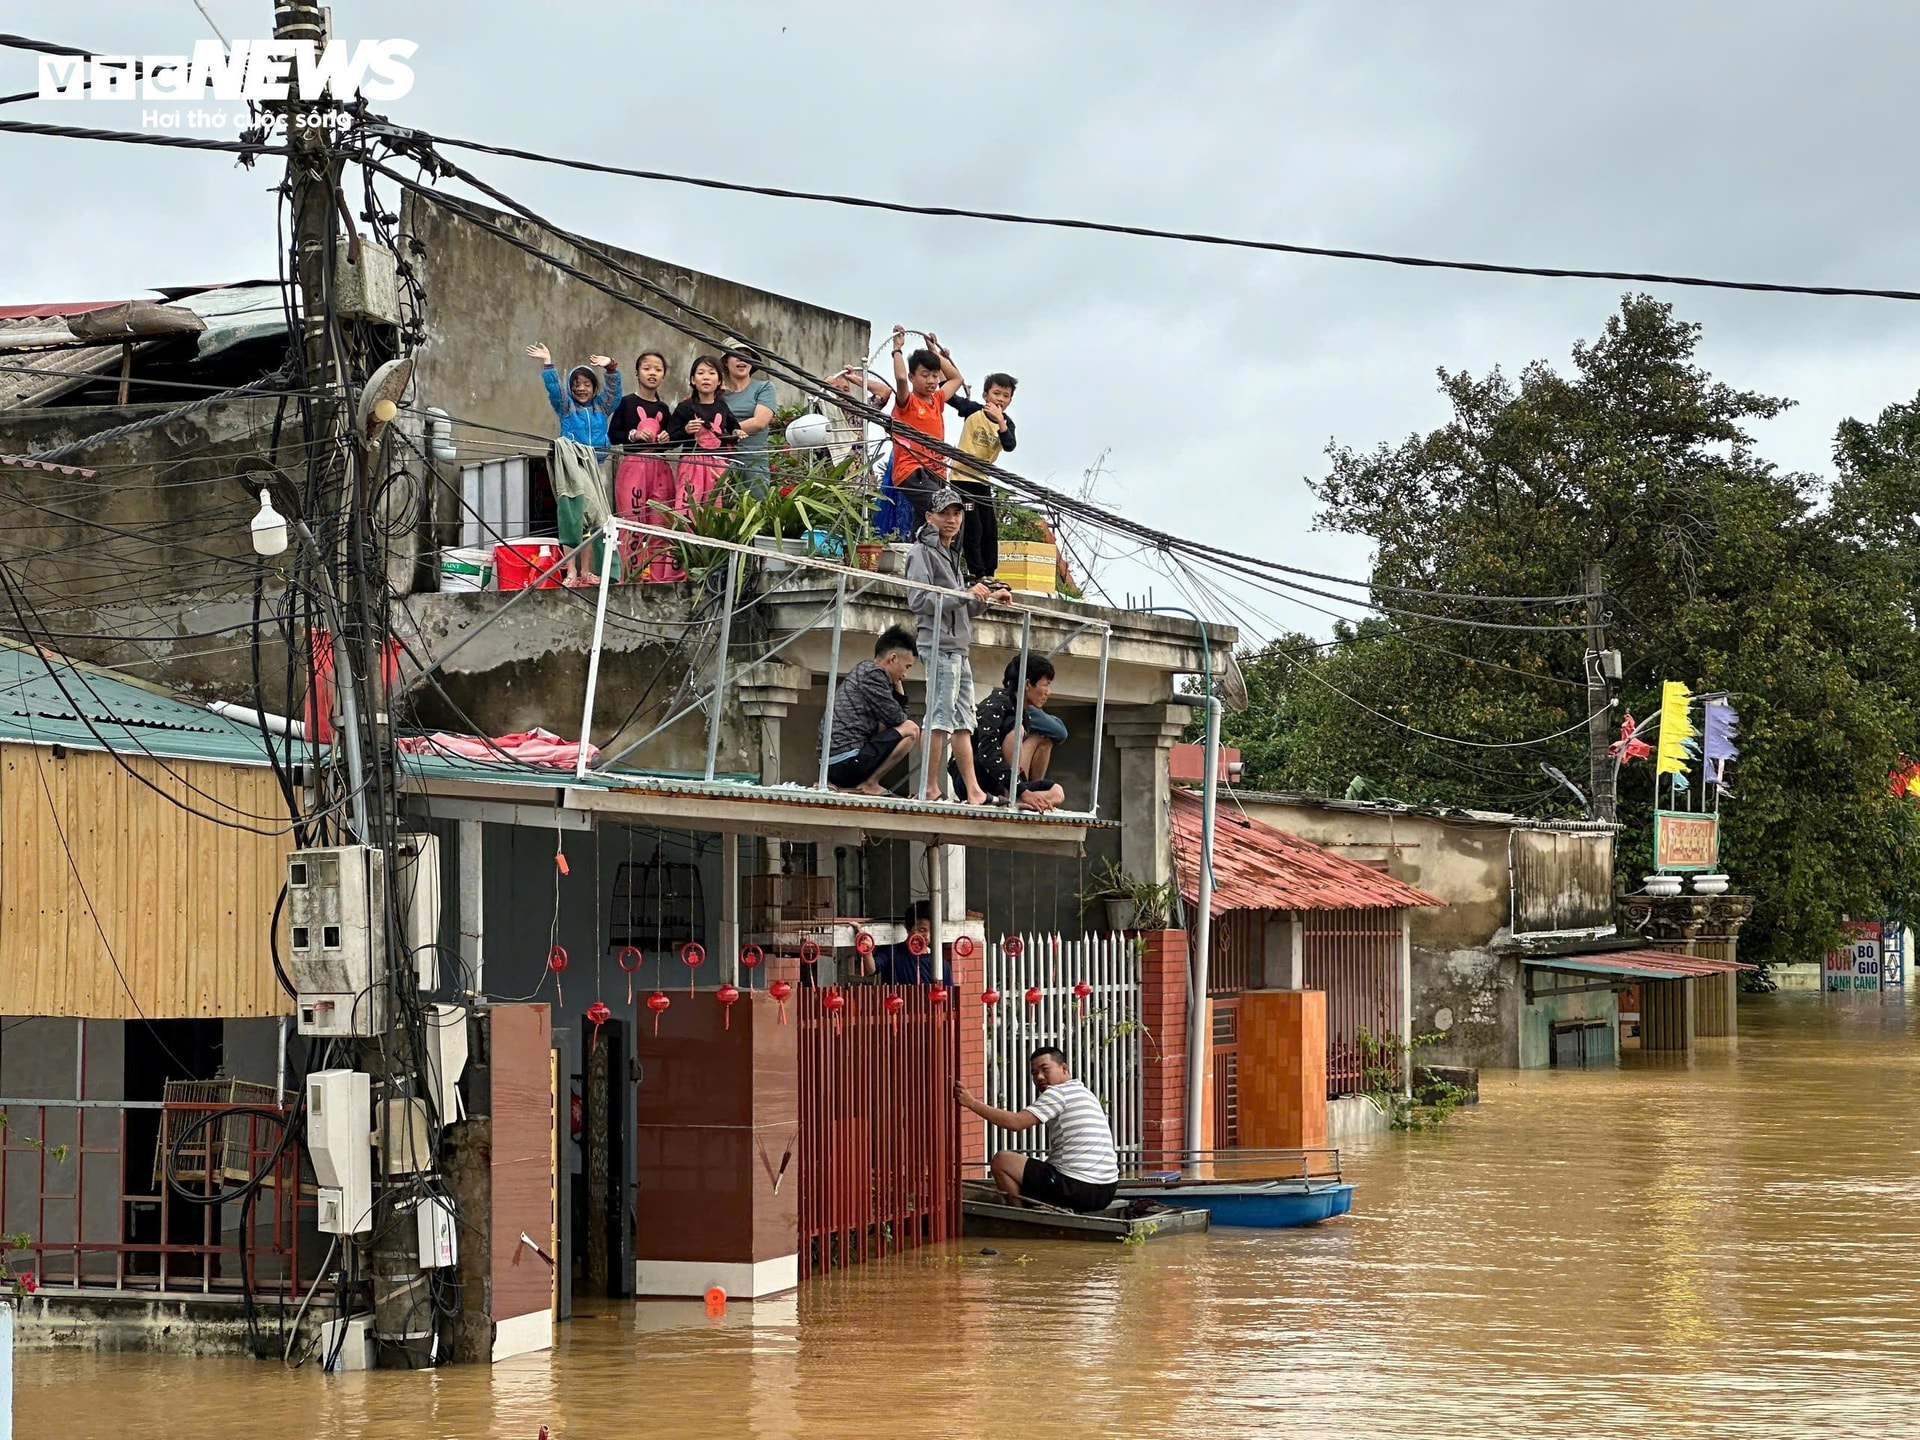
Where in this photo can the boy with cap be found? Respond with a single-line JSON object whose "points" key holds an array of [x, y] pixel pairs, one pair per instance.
{"points": [[935, 561]]}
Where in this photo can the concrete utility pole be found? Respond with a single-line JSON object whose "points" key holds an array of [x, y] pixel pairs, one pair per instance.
{"points": [[403, 1317], [1600, 798]]}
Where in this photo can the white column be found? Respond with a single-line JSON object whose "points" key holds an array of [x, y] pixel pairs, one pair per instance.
{"points": [[730, 906], [1406, 998], [470, 840]]}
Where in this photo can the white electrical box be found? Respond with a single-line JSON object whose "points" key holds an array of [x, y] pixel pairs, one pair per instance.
{"points": [[355, 1351], [336, 912], [447, 1044], [369, 290], [438, 1247], [416, 879], [340, 1143]]}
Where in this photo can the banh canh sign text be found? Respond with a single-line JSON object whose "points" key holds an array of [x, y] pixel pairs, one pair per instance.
{"points": [[1683, 841], [1856, 964]]}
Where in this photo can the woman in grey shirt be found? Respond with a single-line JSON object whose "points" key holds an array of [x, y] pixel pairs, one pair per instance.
{"points": [[751, 401]]}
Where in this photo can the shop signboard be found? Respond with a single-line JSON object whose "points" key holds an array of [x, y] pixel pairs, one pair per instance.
{"points": [[1683, 840], [1856, 965]]}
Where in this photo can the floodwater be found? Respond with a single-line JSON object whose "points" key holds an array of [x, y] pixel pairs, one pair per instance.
{"points": [[1730, 1249]]}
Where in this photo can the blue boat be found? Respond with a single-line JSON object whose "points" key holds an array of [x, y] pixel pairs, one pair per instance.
{"points": [[1251, 1204], [1253, 1189]]}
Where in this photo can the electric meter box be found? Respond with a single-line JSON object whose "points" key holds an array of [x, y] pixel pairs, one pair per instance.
{"points": [[336, 913], [416, 882], [340, 1143]]}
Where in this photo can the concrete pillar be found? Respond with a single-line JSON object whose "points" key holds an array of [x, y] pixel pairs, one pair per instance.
{"points": [[1144, 736], [767, 691], [1666, 1015]]}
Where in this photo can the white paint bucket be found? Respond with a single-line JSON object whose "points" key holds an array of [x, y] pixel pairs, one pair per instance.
{"points": [[462, 569]]}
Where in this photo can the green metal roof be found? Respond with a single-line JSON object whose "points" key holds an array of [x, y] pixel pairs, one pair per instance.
{"points": [[54, 701]]}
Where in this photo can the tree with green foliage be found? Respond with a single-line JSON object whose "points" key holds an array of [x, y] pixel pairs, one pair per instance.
{"points": [[1722, 571]]}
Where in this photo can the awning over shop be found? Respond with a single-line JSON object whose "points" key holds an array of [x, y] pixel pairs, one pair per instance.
{"points": [[1256, 867], [1636, 964]]}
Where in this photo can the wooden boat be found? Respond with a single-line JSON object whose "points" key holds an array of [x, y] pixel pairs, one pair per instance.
{"points": [[986, 1212], [1261, 1190]]}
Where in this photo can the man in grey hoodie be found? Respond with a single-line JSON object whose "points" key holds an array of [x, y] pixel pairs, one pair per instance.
{"points": [[935, 560]]}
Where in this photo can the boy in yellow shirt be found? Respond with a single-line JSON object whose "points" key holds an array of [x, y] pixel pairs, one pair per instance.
{"points": [[985, 433]]}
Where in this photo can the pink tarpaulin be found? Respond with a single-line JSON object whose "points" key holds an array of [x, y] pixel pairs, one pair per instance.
{"points": [[530, 747]]}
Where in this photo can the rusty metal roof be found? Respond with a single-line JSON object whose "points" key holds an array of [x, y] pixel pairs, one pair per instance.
{"points": [[1256, 867], [25, 462], [1639, 964]]}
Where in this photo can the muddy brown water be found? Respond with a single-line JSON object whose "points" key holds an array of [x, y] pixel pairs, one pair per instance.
{"points": [[1726, 1249]]}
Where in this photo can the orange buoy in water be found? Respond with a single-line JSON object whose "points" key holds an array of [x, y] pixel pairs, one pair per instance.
{"points": [[716, 1300]]}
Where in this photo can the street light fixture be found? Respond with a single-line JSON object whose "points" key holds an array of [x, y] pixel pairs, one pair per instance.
{"points": [[269, 529]]}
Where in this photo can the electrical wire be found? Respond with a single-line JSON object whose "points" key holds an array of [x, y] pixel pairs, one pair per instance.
{"points": [[1189, 237]]}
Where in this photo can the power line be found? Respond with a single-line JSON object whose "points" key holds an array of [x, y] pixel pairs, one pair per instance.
{"points": [[1189, 237], [138, 137]]}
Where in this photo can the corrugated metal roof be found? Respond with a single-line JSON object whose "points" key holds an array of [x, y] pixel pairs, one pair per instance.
{"points": [[25, 462], [1310, 800], [1639, 964], [49, 700], [1256, 867]]}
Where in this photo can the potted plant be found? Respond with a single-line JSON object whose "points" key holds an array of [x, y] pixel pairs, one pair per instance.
{"points": [[1130, 904]]}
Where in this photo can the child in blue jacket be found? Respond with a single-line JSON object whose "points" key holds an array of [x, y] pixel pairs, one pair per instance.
{"points": [[583, 408]]}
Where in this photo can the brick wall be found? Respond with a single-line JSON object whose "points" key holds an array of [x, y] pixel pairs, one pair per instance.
{"points": [[1163, 1012], [967, 980]]}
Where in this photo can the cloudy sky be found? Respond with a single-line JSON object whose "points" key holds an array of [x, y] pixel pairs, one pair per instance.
{"points": [[1765, 140]]}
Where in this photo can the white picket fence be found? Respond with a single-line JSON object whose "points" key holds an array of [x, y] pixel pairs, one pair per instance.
{"points": [[1101, 1034]]}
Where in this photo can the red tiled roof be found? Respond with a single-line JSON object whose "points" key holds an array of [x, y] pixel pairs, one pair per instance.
{"points": [[1641, 964], [1256, 867], [26, 463]]}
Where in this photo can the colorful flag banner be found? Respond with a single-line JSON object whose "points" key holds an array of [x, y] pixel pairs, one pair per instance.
{"points": [[1721, 723], [1677, 747]]}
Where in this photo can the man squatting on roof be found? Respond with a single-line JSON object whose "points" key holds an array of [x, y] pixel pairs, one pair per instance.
{"points": [[871, 731], [1081, 1170]]}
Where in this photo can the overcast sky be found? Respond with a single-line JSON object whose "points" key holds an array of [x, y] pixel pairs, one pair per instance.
{"points": [[1765, 140]]}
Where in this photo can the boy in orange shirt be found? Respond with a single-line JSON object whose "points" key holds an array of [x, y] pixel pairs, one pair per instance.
{"points": [[922, 387]]}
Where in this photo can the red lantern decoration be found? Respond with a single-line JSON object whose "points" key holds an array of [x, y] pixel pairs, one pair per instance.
{"points": [[597, 1015], [917, 944], [1081, 990], [963, 947], [692, 955], [557, 962], [1033, 995], [780, 990], [727, 995], [833, 1001], [658, 1002], [937, 995], [560, 862], [989, 998], [751, 957], [862, 942], [628, 959], [1013, 947], [809, 951], [893, 1005]]}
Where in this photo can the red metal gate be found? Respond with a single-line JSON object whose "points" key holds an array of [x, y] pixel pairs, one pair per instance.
{"points": [[1354, 955], [879, 1130]]}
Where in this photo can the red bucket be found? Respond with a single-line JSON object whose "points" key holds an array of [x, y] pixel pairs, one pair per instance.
{"points": [[516, 564]]}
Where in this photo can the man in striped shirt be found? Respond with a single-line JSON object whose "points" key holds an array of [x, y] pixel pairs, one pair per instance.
{"points": [[1081, 1169]]}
